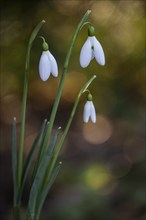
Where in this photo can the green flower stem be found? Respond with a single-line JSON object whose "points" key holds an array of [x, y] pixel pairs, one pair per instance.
{"points": [[84, 89], [56, 103], [24, 100]]}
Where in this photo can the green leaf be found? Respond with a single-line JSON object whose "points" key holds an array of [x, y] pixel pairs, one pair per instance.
{"points": [[31, 154], [53, 143], [41, 173], [42, 197], [14, 161], [40, 153]]}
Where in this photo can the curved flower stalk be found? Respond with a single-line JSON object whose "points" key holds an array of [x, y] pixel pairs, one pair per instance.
{"points": [[24, 100], [91, 48], [89, 110], [63, 75], [82, 91], [47, 64], [17, 157]]}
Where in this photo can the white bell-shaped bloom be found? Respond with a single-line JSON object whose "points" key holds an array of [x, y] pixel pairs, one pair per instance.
{"points": [[91, 48], [89, 112], [47, 65]]}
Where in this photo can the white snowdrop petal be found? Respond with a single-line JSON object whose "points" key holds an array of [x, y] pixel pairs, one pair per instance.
{"points": [[86, 112], [91, 40], [54, 67], [98, 52], [92, 112], [86, 53], [44, 66]]}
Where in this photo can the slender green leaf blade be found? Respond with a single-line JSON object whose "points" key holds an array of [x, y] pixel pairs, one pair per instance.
{"points": [[42, 197], [40, 174], [32, 152], [53, 143], [42, 147], [14, 161], [40, 153]]}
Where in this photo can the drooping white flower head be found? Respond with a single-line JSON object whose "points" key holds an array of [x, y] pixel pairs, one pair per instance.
{"points": [[89, 110], [47, 64], [91, 48]]}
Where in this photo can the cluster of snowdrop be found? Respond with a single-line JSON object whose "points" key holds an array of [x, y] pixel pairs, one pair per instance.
{"points": [[48, 142], [91, 49]]}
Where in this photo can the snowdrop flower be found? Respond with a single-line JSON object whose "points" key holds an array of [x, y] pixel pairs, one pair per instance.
{"points": [[91, 48], [47, 64], [89, 110]]}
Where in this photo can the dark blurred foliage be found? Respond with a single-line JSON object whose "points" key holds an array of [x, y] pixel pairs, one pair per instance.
{"points": [[103, 173]]}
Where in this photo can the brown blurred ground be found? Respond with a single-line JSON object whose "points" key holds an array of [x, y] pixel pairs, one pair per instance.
{"points": [[103, 173]]}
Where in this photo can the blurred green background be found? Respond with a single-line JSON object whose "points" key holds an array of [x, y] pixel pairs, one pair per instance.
{"points": [[103, 173]]}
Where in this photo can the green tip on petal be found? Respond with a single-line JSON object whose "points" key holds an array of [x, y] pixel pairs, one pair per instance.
{"points": [[89, 98], [91, 31]]}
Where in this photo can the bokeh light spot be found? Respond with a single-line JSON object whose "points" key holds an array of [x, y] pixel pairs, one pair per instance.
{"points": [[99, 132], [96, 176]]}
